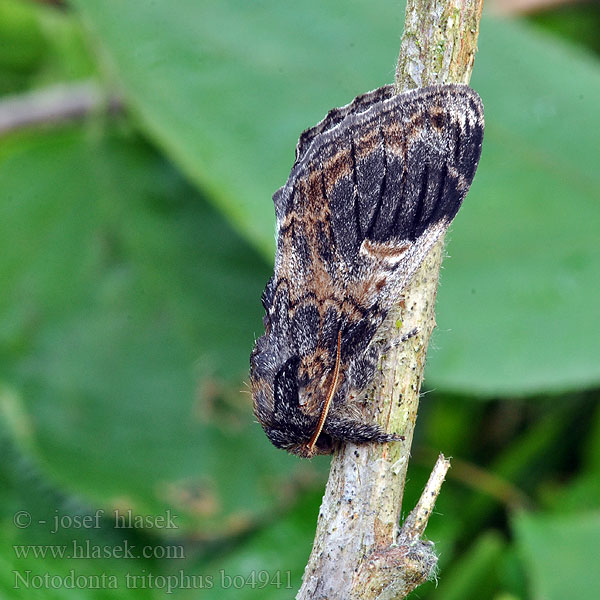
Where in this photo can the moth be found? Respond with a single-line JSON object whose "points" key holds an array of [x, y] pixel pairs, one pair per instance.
{"points": [[374, 185]]}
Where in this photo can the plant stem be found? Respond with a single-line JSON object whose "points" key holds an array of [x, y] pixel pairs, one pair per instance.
{"points": [[55, 105], [359, 549]]}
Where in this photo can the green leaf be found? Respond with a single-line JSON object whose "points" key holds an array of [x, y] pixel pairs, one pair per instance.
{"points": [[126, 321], [39, 44], [40, 537], [519, 291], [226, 87], [561, 553], [475, 574], [22, 44], [523, 462], [269, 564], [583, 491]]}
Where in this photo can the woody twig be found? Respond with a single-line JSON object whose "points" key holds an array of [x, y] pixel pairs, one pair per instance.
{"points": [[360, 551]]}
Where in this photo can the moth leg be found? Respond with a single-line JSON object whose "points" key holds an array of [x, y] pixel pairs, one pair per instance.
{"points": [[358, 432], [362, 369], [395, 343]]}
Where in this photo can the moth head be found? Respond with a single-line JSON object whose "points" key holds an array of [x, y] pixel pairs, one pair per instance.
{"points": [[281, 438], [279, 395]]}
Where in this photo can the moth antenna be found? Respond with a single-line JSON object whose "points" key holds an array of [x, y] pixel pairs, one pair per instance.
{"points": [[329, 398]]}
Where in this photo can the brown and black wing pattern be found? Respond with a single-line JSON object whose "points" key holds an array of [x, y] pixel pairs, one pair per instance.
{"points": [[374, 185], [391, 167]]}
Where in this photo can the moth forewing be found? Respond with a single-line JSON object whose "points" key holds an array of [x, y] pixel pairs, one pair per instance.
{"points": [[374, 186]]}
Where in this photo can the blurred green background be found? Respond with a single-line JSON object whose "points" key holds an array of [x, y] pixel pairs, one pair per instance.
{"points": [[135, 243]]}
